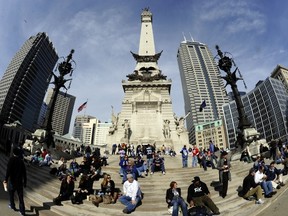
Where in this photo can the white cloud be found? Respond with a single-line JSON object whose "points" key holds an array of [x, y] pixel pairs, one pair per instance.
{"points": [[234, 16]]}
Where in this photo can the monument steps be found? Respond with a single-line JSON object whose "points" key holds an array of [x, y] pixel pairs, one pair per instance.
{"points": [[42, 187]]}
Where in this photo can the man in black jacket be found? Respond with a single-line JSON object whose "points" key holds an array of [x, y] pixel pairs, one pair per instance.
{"points": [[250, 188], [199, 195], [16, 174]]}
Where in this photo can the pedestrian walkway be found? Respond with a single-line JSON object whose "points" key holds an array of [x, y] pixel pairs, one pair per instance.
{"points": [[43, 187]]}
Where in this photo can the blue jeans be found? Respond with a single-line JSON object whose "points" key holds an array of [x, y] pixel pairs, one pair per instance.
{"points": [[204, 163], [213, 157], [141, 169], [126, 200], [149, 163], [176, 202], [267, 187], [194, 161], [184, 161]]}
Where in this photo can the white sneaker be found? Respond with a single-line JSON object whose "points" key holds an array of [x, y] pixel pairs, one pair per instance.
{"points": [[151, 173], [163, 173], [259, 201]]}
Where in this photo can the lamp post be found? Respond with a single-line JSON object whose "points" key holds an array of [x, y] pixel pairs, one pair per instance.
{"points": [[64, 68], [225, 63]]}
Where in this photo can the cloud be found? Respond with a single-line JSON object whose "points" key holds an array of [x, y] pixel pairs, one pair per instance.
{"points": [[234, 16]]}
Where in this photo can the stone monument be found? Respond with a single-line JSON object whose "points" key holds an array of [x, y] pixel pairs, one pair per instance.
{"points": [[147, 116]]}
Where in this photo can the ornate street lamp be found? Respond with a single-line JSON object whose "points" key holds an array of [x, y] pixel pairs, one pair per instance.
{"points": [[64, 68], [225, 63]]}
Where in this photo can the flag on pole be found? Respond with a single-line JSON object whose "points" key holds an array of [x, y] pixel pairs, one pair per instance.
{"points": [[203, 105], [82, 106]]}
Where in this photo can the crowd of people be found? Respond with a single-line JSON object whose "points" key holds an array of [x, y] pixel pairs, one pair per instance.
{"points": [[139, 163]]}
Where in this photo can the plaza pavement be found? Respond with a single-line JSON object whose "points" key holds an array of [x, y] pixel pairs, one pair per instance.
{"points": [[43, 187]]}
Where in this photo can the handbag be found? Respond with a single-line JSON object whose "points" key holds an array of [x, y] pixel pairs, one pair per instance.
{"points": [[57, 200], [96, 200], [107, 199]]}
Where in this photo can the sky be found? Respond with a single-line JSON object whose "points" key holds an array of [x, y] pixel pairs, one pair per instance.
{"points": [[103, 33]]}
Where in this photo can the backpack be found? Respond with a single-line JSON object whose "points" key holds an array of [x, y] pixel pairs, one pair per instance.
{"points": [[53, 171], [198, 211], [76, 199]]}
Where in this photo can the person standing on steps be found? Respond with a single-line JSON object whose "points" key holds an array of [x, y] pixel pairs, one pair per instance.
{"points": [[16, 179], [213, 149], [184, 152], [224, 172]]}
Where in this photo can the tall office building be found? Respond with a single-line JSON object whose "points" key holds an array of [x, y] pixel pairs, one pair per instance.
{"points": [[24, 84], [281, 73], [42, 114], [63, 110], [84, 127], [90, 130], [201, 82], [102, 130], [266, 109]]}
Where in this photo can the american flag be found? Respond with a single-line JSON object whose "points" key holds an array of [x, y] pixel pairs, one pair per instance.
{"points": [[82, 106]]}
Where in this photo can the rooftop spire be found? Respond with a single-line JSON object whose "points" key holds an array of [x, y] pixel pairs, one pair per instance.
{"points": [[192, 39], [184, 37], [147, 58]]}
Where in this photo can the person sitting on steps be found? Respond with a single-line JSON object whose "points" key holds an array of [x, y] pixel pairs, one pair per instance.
{"points": [[173, 198], [66, 190], [158, 165], [250, 188], [108, 188], [275, 176], [132, 195], [83, 190], [261, 179], [198, 194]]}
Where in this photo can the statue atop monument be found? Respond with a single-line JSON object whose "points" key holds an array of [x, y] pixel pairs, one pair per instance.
{"points": [[114, 121], [179, 122]]}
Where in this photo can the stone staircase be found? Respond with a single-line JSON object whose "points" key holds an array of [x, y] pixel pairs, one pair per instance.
{"points": [[43, 187]]}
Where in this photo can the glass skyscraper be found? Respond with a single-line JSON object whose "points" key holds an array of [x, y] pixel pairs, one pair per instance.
{"points": [[266, 109], [24, 84], [63, 110], [201, 82]]}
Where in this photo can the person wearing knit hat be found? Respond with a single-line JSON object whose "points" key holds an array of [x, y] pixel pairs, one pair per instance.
{"points": [[198, 194], [223, 166]]}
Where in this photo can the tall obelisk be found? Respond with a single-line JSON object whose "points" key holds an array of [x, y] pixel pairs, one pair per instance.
{"points": [[147, 115]]}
